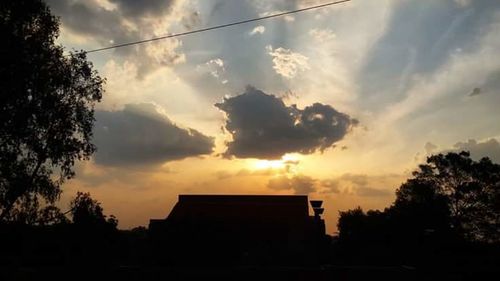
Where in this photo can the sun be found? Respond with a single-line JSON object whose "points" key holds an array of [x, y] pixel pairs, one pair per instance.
{"points": [[285, 163], [269, 164]]}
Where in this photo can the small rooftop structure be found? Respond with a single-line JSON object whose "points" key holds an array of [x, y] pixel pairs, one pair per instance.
{"points": [[240, 229]]}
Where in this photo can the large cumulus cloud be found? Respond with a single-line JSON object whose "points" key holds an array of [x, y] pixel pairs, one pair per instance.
{"points": [[262, 126], [141, 135]]}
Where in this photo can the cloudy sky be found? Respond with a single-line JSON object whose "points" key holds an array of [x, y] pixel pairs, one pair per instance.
{"points": [[340, 103]]}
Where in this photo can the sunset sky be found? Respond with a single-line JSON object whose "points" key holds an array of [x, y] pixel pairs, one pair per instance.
{"points": [[340, 103]]}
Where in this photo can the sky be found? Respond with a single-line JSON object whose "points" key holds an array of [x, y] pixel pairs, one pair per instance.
{"points": [[340, 103]]}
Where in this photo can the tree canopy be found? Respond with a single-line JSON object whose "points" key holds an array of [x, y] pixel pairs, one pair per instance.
{"points": [[450, 195], [46, 109], [88, 212], [464, 194]]}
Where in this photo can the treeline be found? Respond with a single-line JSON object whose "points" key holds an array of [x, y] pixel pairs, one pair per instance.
{"points": [[82, 236], [447, 214]]}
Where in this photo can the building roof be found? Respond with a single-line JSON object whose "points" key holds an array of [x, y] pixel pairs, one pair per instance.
{"points": [[241, 207]]}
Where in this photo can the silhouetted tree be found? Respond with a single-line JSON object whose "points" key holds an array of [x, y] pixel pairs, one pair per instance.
{"points": [[51, 215], [94, 236], [46, 110], [89, 213], [453, 191], [451, 196], [419, 209], [356, 226], [350, 224]]}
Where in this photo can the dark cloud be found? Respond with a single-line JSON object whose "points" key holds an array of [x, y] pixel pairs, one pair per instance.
{"points": [[299, 184], [475, 92], [140, 135], [88, 19], [129, 21], [478, 150], [262, 126]]}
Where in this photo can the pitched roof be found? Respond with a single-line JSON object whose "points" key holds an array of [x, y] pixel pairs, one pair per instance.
{"points": [[241, 207]]}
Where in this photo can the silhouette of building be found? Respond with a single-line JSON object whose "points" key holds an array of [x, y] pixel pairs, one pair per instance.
{"points": [[239, 229]]}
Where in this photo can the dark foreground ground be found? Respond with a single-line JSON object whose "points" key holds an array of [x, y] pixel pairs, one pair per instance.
{"points": [[69, 253], [250, 273]]}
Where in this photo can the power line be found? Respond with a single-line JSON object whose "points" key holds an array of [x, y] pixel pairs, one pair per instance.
{"points": [[216, 27]]}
